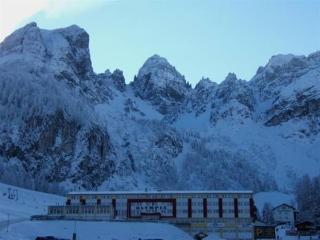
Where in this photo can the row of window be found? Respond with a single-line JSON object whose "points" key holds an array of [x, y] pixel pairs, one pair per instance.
{"points": [[162, 212], [56, 211], [215, 203], [152, 207], [59, 211], [194, 196], [215, 211], [194, 203]]}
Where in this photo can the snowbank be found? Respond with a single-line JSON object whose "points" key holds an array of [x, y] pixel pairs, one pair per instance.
{"points": [[24, 203], [94, 230]]}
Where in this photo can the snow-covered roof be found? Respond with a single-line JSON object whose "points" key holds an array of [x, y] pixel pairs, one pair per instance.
{"points": [[283, 204], [157, 192]]}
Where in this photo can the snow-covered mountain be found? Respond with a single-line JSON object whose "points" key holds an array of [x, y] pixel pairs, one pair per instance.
{"points": [[62, 124], [161, 84]]}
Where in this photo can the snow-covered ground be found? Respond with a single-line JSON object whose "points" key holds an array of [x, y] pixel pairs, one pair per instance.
{"points": [[281, 234], [25, 202], [93, 230]]}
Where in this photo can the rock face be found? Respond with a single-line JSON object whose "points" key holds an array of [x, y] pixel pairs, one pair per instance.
{"points": [[202, 93], [289, 86], [62, 125], [161, 84], [233, 99], [46, 125]]}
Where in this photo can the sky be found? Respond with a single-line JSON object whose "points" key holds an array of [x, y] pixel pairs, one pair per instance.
{"points": [[201, 38]]}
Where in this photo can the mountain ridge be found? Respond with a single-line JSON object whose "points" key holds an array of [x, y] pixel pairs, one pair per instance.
{"points": [[64, 124]]}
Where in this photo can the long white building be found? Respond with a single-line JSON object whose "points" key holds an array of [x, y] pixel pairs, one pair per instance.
{"points": [[228, 212]]}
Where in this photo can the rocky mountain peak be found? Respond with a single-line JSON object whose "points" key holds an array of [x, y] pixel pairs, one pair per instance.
{"points": [[160, 83], [286, 75], [314, 56], [77, 49], [25, 41], [205, 83], [118, 80], [233, 100], [280, 60], [280, 68], [231, 77], [161, 72], [64, 50], [231, 84], [289, 87], [155, 60], [30, 25], [202, 95]]}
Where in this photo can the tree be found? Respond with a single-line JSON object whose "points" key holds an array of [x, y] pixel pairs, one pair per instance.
{"points": [[308, 197], [316, 198], [267, 215]]}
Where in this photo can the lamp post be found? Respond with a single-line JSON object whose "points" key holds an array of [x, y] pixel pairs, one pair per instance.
{"points": [[8, 222], [74, 235]]}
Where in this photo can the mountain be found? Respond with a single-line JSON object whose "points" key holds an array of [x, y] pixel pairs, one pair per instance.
{"points": [[159, 83], [65, 126]]}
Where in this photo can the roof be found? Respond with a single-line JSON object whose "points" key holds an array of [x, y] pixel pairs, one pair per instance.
{"points": [[283, 204], [156, 192], [259, 223]]}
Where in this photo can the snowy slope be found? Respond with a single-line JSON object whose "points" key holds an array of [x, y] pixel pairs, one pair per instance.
{"points": [[25, 202]]}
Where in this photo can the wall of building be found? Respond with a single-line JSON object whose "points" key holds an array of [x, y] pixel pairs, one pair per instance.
{"points": [[283, 213], [229, 214]]}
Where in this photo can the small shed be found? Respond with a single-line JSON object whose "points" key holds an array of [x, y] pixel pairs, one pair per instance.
{"points": [[284, 213]]}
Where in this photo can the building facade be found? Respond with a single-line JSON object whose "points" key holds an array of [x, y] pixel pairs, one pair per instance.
{"points": [[230, 213], [284, 213]]}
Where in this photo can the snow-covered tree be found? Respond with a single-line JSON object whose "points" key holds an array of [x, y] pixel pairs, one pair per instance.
{"points": [[267, 215], [308, 197], [316, 198]]}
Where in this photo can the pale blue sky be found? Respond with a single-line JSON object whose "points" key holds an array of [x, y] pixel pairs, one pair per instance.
{"points": [[199, 37]]}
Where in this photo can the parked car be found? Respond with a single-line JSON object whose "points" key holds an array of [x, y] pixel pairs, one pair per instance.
{"points": [[50, 238]]}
